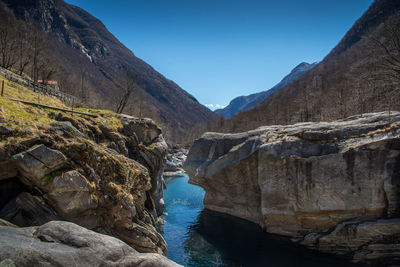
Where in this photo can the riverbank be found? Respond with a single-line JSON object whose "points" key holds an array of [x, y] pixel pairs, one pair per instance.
{"points": [[199, 237]]}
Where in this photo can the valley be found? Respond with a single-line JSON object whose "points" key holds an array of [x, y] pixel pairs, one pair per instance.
{"points": [[104, 161]]}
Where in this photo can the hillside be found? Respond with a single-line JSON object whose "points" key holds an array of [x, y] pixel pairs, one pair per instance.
{"points": [[89, 60], [354, 78], [101, 171], [243, 103]]}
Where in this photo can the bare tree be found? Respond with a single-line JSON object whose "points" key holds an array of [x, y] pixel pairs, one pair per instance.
{"points": [[341, 101], [390, 44], [127, 81], [68, 83], [306, 112], [83, 90], [140, 105], [23, 48], [46, 71], [38, 47], [8, 45]]}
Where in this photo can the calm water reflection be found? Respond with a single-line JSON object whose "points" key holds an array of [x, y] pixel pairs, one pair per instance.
{"points": [[198, 237]]}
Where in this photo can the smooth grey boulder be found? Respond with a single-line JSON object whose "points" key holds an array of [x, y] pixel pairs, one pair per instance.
{"points": [[37, 162], [303, 180], [59, 243]]}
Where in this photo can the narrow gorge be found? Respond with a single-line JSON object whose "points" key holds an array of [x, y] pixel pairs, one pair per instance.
{"points": [[104, 161]]}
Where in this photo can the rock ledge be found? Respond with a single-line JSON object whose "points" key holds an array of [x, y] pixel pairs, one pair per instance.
{"points": [[327, 185]]}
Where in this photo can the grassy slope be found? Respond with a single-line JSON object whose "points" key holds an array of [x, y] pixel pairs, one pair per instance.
{"points": [[22, 116]]}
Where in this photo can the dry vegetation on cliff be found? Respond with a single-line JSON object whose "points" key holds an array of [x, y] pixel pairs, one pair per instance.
{"points": [[87, 60], [115, 160]]}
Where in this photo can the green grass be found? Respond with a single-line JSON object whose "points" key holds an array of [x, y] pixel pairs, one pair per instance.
{"points": [[18, 115], [111, 118], [49, 177]]}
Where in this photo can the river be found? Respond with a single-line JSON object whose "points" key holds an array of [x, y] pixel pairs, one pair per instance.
{"points": [[198, 237]]}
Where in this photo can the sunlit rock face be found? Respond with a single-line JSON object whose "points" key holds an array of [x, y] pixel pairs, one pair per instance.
{"points": [[305, 180], [104, 175], [59, 243]]}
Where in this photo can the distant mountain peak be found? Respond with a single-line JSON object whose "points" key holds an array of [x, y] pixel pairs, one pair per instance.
{"points": [[353, 78], [303, 66], [243, 103]]}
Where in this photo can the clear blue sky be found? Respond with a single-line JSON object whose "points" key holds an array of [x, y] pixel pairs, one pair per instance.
{"points": [[219, 49]]}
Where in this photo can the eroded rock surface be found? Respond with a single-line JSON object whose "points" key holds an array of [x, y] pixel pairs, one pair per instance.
{"points": [[175, 158], [103, 174], [38, 161], [305, 180], [58, 243]]}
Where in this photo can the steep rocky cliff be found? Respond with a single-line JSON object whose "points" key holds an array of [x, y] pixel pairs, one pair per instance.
{"points": [[103, 173], [331, 186]]}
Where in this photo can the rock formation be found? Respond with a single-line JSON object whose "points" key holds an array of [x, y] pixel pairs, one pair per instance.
{"points": [[331, 186], [175, 158], [59, 243], [102, 173]]}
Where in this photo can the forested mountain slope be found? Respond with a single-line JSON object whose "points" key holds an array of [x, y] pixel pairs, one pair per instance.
{"points": [[361, 74], [88, 61]]}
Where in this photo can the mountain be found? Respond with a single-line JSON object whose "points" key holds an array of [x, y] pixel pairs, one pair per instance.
{"points": [[359, 75], [90, 58], [243, 103]]}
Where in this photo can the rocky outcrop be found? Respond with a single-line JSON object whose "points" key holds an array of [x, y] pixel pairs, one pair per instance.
{"points": [[104, 174], [59, 243], [37, 162], [331, 186], [175, 158]]}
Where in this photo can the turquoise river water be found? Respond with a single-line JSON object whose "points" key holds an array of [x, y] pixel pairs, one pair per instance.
{"points": [[198, 237]]}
